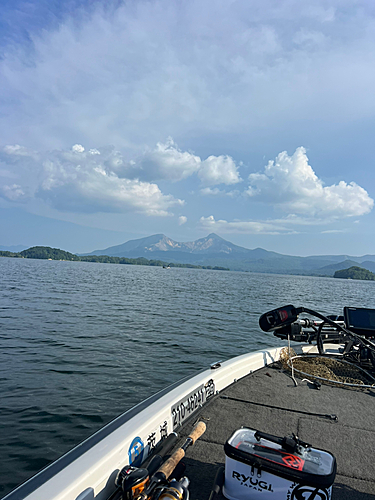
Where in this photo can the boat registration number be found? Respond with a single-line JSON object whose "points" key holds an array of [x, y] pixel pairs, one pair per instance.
{"points": [[187, 406]]}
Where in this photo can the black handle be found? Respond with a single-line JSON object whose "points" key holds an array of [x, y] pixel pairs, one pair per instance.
{"points": [[288, 443], [154, 464], [270, 437], [164, 446], [161, 449], [218, 484]]}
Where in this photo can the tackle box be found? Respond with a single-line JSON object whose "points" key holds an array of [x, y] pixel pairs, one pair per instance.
{"points": [[263, 466]]}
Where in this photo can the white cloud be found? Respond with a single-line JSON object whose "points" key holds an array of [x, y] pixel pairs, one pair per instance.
{"points": [[133, 73], [13, 192], [219, 170], [93, 180], [207, 191], [290, 183], [236, 80], [291, 224], [334, 231], [77, 148], [168, 162], [246, 227], [17, 150], [212, 191], [182, 220], [80, 181]]}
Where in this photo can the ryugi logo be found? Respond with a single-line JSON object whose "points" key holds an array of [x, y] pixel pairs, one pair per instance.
{"points": [[252, 482], [303, 492]]}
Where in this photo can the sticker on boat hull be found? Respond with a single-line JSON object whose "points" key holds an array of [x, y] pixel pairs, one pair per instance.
{"points": [[190, 403], [135, 451]]}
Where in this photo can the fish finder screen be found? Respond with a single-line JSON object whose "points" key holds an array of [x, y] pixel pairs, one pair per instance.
{"points": [[360, 319]]}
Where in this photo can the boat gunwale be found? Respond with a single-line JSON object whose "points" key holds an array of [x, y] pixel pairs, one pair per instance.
{"points": [[229, 371]]}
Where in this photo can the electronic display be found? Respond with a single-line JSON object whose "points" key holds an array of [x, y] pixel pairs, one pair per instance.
{"points": [[360, 320]]}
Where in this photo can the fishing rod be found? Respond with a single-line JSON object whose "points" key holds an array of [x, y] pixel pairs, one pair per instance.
{"points": [[163, 473]]}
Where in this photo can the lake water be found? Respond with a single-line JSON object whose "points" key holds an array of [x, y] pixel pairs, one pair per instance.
{"points": [[83, 342]]}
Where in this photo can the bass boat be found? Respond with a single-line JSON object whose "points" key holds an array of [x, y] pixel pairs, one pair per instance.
{"points": [[294, 422]]}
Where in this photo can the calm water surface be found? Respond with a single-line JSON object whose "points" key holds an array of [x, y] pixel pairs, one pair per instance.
{"points": [[83, 342]]}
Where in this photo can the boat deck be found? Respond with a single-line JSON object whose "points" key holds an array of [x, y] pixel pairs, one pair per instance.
{"points": [[268, 400]]}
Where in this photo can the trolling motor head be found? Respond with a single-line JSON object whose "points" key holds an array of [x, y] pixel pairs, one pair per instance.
{"points": [[283, 323], [278, 318]]}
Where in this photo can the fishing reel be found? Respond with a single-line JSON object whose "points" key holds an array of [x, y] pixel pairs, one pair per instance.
{"points": [[153, 482], [175, 490], [133, 481]]}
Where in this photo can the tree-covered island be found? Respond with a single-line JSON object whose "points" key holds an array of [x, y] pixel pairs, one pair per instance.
{"points": [[355, 273], [48, 253]]}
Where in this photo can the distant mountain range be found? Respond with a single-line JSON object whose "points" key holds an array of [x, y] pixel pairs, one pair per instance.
{"points": [[13, 248], [215, 251]]}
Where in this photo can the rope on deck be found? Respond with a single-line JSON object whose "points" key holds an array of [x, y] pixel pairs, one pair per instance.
{"points": [[327, 369]]}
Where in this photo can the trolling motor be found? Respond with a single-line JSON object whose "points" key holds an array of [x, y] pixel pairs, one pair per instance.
{"points": [[355, 330]]}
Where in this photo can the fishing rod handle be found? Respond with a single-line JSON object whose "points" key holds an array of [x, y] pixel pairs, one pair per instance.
{"points": [[169, 465], [198, 430]]}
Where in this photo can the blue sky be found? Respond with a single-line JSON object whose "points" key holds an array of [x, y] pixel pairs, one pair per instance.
{"points": [[251, 119]]}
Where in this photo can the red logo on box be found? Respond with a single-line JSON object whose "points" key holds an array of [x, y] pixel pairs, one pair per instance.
{"points": [[293, 462]]}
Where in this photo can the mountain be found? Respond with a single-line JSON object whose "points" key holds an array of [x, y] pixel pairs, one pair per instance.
{"points": [[215, 251], [14, 248], [355, 273], [159, 246], [331, 269], [161, 243], [47, 253]]}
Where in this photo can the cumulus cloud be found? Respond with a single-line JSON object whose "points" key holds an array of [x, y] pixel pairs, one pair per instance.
{"points": [[100, 179], [182, 220], [81, 181], [219, 170], [290, 183], [78, 148], [168, 162]]}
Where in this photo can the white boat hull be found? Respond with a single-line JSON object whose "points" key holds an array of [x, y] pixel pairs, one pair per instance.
{"points": [[88, 471]]}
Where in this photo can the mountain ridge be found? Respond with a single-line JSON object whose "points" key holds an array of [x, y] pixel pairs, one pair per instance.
{"points": [[161, 242], [215, 250]]}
